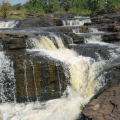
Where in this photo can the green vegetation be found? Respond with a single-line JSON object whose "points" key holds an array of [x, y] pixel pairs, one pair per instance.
{"points": [[82, 106], [5, 9], [85, 7]]}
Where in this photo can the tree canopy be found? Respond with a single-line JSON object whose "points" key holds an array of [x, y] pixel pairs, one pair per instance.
{"points": [[67, 5]]}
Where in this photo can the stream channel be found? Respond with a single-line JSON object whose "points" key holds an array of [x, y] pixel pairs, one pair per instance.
{"points": [[53, 78]]}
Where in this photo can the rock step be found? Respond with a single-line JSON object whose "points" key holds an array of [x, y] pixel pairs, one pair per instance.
{"points": [[111, 37]]}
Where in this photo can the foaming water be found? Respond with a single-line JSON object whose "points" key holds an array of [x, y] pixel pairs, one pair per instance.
{"points": [[76, 21], [97, 39], [7, 81], [8, 23], [86, 78]]}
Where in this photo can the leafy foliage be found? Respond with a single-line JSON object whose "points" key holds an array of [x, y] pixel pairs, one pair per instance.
{"points": [[54, 5], [80, 6], [5, 8], [17, 6]]}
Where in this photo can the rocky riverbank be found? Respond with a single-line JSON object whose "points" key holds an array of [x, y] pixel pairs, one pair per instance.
{"points": [[105, 105], [45, 73]]}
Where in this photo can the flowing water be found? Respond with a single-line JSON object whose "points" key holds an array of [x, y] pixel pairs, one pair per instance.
{"points": [[9, 23], [85, 76]]}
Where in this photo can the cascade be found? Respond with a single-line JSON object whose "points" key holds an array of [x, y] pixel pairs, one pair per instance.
{"points": [[84, 76], [7, 81], [76, 21], [9, 23], [76, 30]]}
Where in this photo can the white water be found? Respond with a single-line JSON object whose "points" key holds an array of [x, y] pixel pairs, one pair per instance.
{"points": [[76, 22], [8, 23], [7, 81], [85, 80]]}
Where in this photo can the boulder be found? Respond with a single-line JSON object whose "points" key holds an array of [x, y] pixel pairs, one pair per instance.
{"points": [[13, 41], [105, 105]]}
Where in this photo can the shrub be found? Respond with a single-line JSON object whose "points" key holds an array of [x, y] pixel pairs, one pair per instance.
{"points": [[5, 8]]}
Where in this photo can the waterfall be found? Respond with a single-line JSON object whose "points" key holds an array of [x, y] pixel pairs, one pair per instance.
{"points": [[76, 30], [84, 76], [8, 23], [76, 22], [7, 81], [85, 80], [94, 39]]}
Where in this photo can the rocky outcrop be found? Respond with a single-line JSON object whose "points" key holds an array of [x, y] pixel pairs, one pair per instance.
{"points": [[40, 22], [94, 51], [37, 76], [77, 39], [111, 37], [110, 28], [13, 41], [105, 105]]}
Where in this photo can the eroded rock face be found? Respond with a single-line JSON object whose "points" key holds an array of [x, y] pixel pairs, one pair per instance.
{"points": [[38, 77], [106, 105], [13, 41]]}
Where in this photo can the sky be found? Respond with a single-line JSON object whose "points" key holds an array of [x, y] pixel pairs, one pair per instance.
{"points": [[13, 2]]}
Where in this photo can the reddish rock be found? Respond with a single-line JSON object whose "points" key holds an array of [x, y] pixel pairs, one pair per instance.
{"points": [[106, 106]]}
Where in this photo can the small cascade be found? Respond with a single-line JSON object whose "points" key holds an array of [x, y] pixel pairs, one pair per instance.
{"points": [[76, 30], [7, 80], [76, 22], [9, 23], [49, 69], [94, 30], [94, 39]]}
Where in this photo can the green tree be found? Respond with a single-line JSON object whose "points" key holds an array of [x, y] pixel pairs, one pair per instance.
{"points": [[112, 3], [55, 5], [5, 8], [34, 6], [17, 6], [96, 5]]}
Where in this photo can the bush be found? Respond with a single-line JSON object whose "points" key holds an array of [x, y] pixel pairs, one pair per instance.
{"points": [[5, 8]]}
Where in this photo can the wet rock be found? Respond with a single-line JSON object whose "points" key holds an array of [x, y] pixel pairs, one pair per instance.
{"points": [[110, 28], [40, 22], [94, 51], [13, 41], [57, 21], [111, 37], [84, 29], [62, 29], [77, 39], [105, 105], [38, 77]]}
